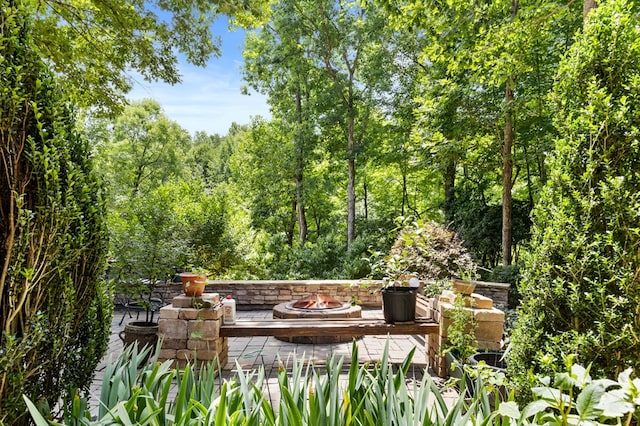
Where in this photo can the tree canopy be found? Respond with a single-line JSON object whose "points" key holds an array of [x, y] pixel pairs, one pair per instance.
{"points": [[94, 46]]}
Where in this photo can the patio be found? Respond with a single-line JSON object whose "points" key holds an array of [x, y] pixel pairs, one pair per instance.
{"points": [[253, 352]]}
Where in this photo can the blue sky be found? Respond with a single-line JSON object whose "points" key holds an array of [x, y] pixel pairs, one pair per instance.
{"points": [[208, 99]]}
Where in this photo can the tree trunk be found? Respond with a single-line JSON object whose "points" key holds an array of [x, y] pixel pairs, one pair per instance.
{"points": [[351, 184], [542, 169], [507, 162], [303, 229], [587, 6], [507, 174], [405, 197], [351, 203], [365, 201], [291, 226], [449, 191], [299, 143]]}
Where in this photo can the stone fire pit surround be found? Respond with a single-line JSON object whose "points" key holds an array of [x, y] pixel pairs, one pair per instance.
{"points": [[288, 310]]}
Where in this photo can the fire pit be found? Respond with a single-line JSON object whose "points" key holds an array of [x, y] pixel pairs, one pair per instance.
{"points": [[317, 306]]}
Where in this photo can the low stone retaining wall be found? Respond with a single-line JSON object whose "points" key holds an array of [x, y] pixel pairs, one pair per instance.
{"points": [[265, 294], [498, 292]]}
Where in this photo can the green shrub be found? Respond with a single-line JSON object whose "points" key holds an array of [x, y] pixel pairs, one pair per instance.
{"points": [[580, 284], [55, 313], [432, 252], [480, 226]]}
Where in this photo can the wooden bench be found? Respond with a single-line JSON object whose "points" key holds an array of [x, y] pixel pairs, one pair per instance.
{"points": [[325, 327]]}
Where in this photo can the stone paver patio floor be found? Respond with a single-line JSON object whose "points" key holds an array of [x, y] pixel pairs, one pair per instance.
{"points": [[252, 352]]}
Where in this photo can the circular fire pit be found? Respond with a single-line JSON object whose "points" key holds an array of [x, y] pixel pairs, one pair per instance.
{"points": [[316, 307]]}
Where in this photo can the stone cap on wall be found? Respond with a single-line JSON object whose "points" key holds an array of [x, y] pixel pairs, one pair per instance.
{"points": [[264, 294]]}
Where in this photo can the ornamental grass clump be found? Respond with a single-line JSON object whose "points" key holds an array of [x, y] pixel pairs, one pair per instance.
{"points": [[135, 392]]}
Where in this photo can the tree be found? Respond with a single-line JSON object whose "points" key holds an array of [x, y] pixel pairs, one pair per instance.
{"points": [[345, 42], [350, 40], [93, 46], [580, 286], [55, 311], [142, 150], [488, 65], [277, 64], [263, 172], [209, 156]]}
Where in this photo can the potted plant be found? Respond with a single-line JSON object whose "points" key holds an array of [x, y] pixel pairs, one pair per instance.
{"points": [[146, 243], [399, 291], [140, 296], [194, 281], [428, 251]]}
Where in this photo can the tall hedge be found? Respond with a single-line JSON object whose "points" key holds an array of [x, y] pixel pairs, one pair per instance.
{"points": [[55, 312], [581, 284]]}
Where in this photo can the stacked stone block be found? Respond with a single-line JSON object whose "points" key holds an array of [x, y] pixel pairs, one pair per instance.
{"points": [[489, 326], [189, 329]]}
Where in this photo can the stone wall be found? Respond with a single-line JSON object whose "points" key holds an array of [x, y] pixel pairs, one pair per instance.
{"points": [[265, 294], [498, 292]]}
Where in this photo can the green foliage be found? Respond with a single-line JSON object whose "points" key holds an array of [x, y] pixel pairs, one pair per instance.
{"points": [[147, 242], [141, 150], [576, 398], [580, 284], [206, 226], [462, 115], [158, 221], [93, 47], [174, 225], [263, 171], [461, 332], [321, 259], [55, 311], [480, 226], [135, 392]]}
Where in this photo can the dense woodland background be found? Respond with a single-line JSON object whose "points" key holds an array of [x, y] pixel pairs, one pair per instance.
{"points": [[381, 114], [514, 123]]}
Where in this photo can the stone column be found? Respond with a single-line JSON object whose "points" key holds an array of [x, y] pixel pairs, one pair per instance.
{"points": [[489, 326], [189, 329]]}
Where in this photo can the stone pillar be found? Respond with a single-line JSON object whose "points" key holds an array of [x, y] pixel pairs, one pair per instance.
{"points": [[190, 331], [489, 327]]}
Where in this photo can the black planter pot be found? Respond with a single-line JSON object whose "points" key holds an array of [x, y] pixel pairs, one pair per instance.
{"points": [[399, 304], [493, 359]]}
